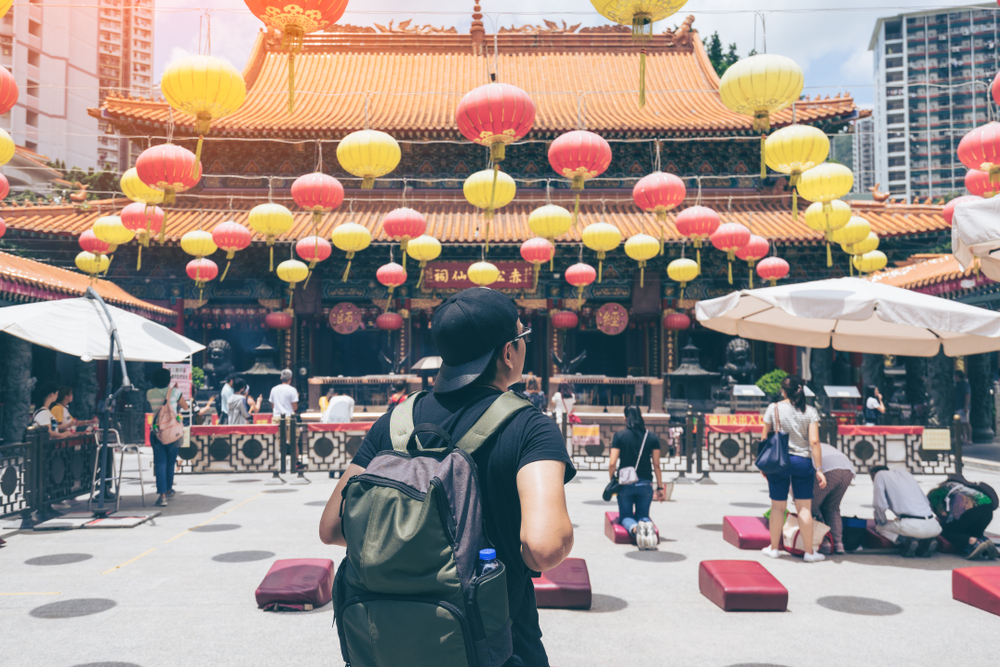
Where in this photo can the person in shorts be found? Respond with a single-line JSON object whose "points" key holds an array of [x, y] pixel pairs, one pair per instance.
{"points": [[791, 415]]}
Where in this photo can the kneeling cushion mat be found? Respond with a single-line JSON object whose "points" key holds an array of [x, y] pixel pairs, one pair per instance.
{"points": [[296, 584], [741, 585], [564, 587]]}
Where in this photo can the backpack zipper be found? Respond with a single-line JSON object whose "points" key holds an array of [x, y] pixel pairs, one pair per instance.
{"points": [[391, 483]]}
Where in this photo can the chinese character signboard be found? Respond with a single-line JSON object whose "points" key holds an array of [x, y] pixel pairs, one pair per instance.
{"points": [[345, 318], [180, 377], [612, 319], [454, 275], [743, 422]]}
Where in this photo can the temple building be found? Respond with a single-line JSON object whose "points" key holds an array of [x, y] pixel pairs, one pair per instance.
{"points": [[406, 81]]}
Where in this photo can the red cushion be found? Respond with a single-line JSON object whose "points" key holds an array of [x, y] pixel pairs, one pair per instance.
{"points": [[741, 585], [617, 533], [875, 540], [565, 587], [746, 532], [296, 584], [978, 586]]}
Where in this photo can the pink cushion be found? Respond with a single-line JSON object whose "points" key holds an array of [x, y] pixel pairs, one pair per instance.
{"points": [[875, 540], [746, 532], [617, 533], [741, 585], [296, 584], [565, 587], [977, 586]]}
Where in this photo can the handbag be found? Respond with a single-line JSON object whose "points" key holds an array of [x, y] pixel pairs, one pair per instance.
{"points": [[791, 537], [611, 489], [772, 453], [627, 476]]}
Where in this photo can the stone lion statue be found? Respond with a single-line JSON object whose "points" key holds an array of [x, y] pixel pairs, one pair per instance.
{"points": [[219, 364], [738, 369]]}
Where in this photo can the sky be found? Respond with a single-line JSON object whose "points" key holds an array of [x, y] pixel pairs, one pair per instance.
{"points": [[827, 38]]}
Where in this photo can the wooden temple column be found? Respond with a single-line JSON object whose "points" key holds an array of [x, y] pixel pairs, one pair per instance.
{"points": [[978, 371]]}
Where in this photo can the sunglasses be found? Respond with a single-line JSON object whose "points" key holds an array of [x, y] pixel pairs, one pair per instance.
{"points": [[526, 335]]}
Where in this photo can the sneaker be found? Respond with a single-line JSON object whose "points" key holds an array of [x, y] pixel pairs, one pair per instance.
{"points": [[991, 551], [170, 494], [927, 549], [979, 549], [771, 553], [908, 547], [649, 540], [814, 557], [839, 549], [161, 501]]}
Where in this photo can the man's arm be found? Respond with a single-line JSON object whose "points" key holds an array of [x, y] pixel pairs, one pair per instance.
{"points": [[659, 494], [329, 523], [881, 501], [546, 530]]}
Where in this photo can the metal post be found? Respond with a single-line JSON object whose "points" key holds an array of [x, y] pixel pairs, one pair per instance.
{"points": [[32, 477], [688, 451], [276, 478], [300, 477], [702, 434], [956, 447]]}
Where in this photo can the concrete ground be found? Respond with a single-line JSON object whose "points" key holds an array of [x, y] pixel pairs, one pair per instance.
{"points": [[179, 590]]}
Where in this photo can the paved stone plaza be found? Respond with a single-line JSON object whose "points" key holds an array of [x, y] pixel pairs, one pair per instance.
{"points": [[179, 590]]}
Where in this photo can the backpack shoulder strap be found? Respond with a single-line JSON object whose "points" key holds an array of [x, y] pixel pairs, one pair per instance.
{"points": [[495, 418], [401, 421]]}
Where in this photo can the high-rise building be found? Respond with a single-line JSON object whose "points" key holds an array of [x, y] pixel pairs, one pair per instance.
{"points": [[864, 154], [125, 45], [54, 61], [932, 75]]}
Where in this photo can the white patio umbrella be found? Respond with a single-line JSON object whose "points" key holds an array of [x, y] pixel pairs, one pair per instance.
{"points": [[80, 327], [855, 316], [975, 232]]}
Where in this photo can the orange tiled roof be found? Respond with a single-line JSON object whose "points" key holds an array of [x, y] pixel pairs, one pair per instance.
{"points": [[453, 220], [35, 281], [421, 78], [932, 274]]}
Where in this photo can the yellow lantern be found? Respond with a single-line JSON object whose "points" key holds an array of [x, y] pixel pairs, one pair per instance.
{"points": [[640, 14], [423, 249], [870, 261], [292, 271], [7, 147], [602, 238], [863, 246], [91, 264], [198, 243], [204, 87], [271, 220], [483, 273], [641, 248], [793, 150], [5, 6], [489, 190], [856, 230], [828, 218], [368, 154], [109, 228], [351, 238], [758, 86], [683, 271], [136, 190], [550, 222], [824, 184]]}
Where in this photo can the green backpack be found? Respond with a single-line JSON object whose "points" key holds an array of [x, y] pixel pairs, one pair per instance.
{"points": [[406, 594]]}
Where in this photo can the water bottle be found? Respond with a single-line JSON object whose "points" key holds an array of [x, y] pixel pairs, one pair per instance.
{"points": [[487, 561]]}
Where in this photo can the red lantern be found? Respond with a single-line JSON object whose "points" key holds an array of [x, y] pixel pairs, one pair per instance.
{"points": [[389, 322], [698, 223], [580, 275], [317, 193], [144, 221], [980, 149], [978, 183], [495, 115], [757, 248], [169, 168], [729, 238], [995, 86], [90, 243], [392, 275], [294, 20], [201, 271], [565, 319], [4, 184], [537, 251], [313, 249], [8, 91], [579, 156], [773, 269], [231, 236], [949, 208], [676, 322], [278, 320], [658, 193], [404, 225], [3, 228]]}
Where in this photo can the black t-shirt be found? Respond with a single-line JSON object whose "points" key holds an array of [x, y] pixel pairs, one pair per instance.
{"points": [[629, 442], [530, 436]]}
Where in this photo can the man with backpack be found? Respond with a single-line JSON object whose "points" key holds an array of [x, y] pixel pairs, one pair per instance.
{"points": [[450, 494]]}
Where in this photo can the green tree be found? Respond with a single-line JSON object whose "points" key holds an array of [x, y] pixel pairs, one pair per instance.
{"points": [[721, 60]]}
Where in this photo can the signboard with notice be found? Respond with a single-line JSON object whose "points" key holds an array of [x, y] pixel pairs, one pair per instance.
{"points": [[180, 377]]}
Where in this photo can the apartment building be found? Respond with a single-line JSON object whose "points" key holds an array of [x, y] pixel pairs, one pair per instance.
{"points": [[863, 159], [932, 75], [52, 53], [125, 47]]}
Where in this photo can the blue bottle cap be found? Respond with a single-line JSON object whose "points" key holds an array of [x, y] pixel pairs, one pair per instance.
{"points": [[487, 554]]}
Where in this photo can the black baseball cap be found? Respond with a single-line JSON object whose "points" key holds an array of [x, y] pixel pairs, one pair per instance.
{"points": [[466, 329]]}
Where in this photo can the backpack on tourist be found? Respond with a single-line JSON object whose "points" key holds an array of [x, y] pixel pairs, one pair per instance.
{"points": [[407, 593], [168, 429]]}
